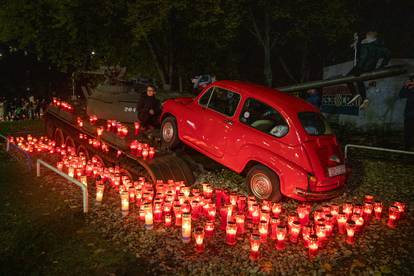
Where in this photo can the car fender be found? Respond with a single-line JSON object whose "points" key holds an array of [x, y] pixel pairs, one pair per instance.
{"points": [[290, 174]]}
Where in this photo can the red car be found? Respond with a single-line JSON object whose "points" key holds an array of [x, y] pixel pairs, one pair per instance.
{"points": [[282, 144]]}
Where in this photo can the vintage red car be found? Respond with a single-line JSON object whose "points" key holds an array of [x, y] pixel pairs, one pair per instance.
{"points": [[282, 144]]}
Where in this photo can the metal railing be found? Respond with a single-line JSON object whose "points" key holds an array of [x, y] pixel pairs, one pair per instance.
{"points": [[347, 146], [83, 187]]}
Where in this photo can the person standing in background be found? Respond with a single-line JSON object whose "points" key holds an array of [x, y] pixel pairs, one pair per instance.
{"points": [[407, 92]]}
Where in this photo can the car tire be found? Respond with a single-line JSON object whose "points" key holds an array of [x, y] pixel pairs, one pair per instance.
{"points": [[263, 183], [169, 133]]}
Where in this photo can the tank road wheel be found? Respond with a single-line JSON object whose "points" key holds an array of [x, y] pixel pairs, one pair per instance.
{"points": [[82, 151], [70, 144], [264, 183], [169, 133], [59, 138]]}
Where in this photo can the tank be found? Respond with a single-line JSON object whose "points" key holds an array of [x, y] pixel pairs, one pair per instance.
{"points": [[114, 98]]}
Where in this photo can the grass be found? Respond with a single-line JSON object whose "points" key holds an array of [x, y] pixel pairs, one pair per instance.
{"points": [[41, 235]]}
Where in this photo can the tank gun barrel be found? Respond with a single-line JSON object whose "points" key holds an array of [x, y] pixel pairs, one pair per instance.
{"points": [[378, 74]]}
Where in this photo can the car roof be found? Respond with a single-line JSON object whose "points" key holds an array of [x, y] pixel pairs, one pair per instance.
{"points": [[282, 101]]}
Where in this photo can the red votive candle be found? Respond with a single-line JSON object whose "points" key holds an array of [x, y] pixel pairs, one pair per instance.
{"points": [[377, 209], [334, 209], [321, 233], [341, 219], [318, 214], [207, 190], [326, 209], [401, 208], [157, 213], [241, 203], [303, 214], [177, 214], [359, 222], [280, 237], [223, 217], [199, 238], [263, 230], [254, 247], [357, 209], [294, 231], [329, 224], [276, 209], [369, 198], [350, 232], [367, 211], [274, 222], [167, 220], [313, 246], [240, 224], [233, 198], [306, 232], [392, 216], [347, 209], [231, 230], [209, 228], [137, 125]]}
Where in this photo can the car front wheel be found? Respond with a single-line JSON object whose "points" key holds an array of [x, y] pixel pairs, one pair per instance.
{"points": [[264, 183], [169, 132]]}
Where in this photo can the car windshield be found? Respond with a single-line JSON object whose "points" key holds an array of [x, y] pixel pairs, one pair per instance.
{"points": [[314, 123]]}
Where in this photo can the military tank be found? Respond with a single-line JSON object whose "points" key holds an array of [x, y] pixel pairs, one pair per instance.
{"points": [[115, 98]]}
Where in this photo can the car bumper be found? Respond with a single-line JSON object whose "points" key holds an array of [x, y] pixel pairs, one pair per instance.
{"points": [[310, 195]]}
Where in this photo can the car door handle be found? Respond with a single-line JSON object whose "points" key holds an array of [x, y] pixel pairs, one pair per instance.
{"points": [[229, 122]]}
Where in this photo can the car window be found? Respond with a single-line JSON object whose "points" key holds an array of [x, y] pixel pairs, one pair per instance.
{"points": [[264, 118], [314, 123], [206, 97], [224, 101]]}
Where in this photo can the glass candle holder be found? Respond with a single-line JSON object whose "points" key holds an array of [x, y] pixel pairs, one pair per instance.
{"points": [[334, 210], [401, 208], [318, 214], [359, 222], [392, 216], [240, 224], [378, 209], [231, 230], [368, 198], [241, 203], [294, 231], [350, 232], [263, 230], [306, 232], [303, 214], [199, 238], [280, 237], [233, 198], [329, 224], [99, 192], [274, 222], [254, 247], [320, 231], [326, 209], [207, 190], [223, 217], [124, 201], [255, 213], [209, 229], [158, 212], [149, 224], [341, 220], [347, 208], [313, 246], [177, 214], [186, 227], [167, 220], [357, 209]]}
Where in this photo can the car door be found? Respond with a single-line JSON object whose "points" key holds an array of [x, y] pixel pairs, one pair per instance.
{"points": [[192, 125], [218, 120]]}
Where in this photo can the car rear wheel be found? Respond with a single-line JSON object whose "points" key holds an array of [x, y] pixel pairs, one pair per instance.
{"points": [[264, 183], [169, 132]]}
